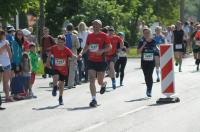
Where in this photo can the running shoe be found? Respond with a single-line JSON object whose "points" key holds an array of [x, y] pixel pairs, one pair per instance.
{"points": [[148, 93], [103, 88], [180, 69], [60, 101], [176, 63], [44, 76], [2, 108], [93, 103], [54, 91]]}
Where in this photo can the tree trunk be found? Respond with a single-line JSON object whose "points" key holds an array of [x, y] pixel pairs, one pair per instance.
{"points": [[41, 21], [182, 8]]}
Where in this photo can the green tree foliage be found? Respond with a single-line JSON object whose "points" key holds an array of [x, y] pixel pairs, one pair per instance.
{"points": [[124, 15], [9, 7]]}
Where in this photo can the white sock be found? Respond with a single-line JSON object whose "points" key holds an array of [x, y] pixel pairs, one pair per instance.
{"points": [[93, 97], [157, 72]]}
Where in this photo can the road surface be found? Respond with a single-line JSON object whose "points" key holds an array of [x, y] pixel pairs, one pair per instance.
{"points": [[124, 110]]}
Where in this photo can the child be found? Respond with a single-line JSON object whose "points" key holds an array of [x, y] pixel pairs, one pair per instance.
{"points": [[61, 55], [26, 72], [34, 63]]}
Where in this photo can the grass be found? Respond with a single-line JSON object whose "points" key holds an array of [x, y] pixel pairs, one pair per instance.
{"points": [[133, 53]]}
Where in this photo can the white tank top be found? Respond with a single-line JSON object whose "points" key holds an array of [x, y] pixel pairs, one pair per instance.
{"points": [[4, 57]]}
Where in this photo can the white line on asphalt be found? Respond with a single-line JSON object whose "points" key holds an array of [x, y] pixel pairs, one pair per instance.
{"points": [[133, 111], [93, 127], [122, 115]]}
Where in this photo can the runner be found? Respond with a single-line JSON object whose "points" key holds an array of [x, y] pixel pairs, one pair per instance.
{"points": [[61, 55], [178, 40], [197, 44], [122, 60], [148, 48], [97, 45], [111, 56], [159, 38]]}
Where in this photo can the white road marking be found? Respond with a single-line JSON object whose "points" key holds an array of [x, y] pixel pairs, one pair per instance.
{"points": [[120, 116], [133, 111], [93, 127]]}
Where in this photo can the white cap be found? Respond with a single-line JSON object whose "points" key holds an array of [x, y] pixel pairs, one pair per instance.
{"points": [[26, 32], [97, 21]]}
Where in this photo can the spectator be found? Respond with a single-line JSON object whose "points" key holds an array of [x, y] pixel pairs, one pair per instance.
{"points": [[27, 35], [46, 43], [34, 63], [10, 33], [31, 38], [26, 69], [5, 56], [16, 47], [82, 35], [72, 43]]}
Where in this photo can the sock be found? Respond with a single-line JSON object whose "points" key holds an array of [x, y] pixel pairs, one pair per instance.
{"points": [[197, 61], [93, 97], [157, 72], [180, 63], [113, 81]]}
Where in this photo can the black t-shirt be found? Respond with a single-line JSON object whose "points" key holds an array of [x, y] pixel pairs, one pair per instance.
{"points": [[178, 36], [123, 53], [148, 51]]}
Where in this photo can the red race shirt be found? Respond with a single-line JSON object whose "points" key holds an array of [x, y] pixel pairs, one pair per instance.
{"points": [[115, 41], [61, 58], [197, 35], [96, 42]]}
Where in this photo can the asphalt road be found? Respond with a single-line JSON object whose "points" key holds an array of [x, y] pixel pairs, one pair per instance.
{"points": [[124, 110]]}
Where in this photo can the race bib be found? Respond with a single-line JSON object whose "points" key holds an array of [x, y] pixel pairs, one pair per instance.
{"points": [[122, 54], [148, 56], [197, 43], [179, 46], [94, 47], [60, 62]]}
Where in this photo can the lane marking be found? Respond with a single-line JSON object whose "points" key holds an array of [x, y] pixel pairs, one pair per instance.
{"points": [[133, 111], [93, 127], [120, 116]]}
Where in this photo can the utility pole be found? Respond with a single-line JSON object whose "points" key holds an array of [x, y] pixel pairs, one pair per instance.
{"points": [[182, 8], [41, 21]]}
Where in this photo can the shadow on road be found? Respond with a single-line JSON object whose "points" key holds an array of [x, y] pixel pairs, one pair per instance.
{"points": [[44, 87], [80, 108], [137, 100], [46, 108], [160, 104]]}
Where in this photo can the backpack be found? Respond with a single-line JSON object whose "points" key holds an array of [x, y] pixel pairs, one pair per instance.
{"points": [[17, 85]]}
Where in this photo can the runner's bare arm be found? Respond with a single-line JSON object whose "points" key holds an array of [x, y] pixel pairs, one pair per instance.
{"points": [[107, 49], [85, 49], [9, 51]]}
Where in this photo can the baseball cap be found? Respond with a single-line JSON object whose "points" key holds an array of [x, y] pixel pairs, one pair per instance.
{"points": [[97, 21], [26, 32]]}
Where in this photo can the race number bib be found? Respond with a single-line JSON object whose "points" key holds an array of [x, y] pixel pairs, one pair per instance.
{"points": [[94, 47], [179, 46], [148, 56], [198, 43], [60, 62]]}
